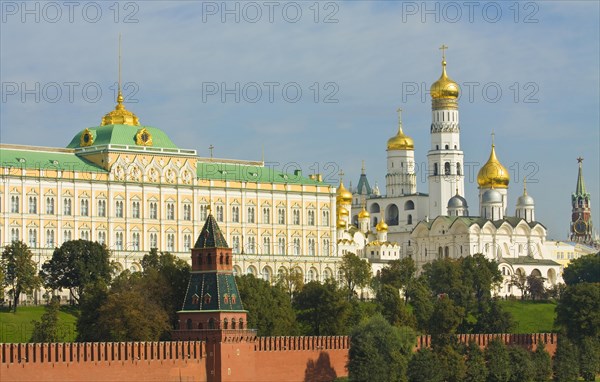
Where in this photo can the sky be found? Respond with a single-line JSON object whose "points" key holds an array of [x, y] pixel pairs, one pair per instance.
{"points": [[315, 85]]}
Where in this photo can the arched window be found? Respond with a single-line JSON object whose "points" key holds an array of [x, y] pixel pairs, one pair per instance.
{"points": [[435, 169], [233, 323], [458, 170], [447, 168], [409, 205], [374, 208], [447, 251], [447, 147], [409, 221], [241, 323], [225, 324], [221, 259], [440, 252]]}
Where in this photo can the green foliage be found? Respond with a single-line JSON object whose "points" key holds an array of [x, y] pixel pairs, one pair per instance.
{"points": [[521, 367], [578, 311], [321, 309], [399, 274], [131, 311], [424, 366], [18, 327], [379, 351], [494, 319], [19, 271], [475, 362], [481, 276], [356, 273], [566, 361], [422, 303], [88, 328], [47, 329], [541, 363], [444, 321], [269, 307], [498, 361], [589, 358], [290, 281], [360, 311], [75, 264], [392, 307], [535, 287], [452, 363], [585, 269], [168, 278]]}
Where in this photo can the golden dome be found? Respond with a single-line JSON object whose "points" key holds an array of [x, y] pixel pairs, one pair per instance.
{"points": [[343, 195], [381, 226], [343, 212], [493, 174], [400, 141], [444, 87], [341, 223], [120, 116], [364, 214]]}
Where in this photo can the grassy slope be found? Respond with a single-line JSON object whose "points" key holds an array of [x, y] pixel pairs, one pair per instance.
{"points": [[17, 327], [531, 316]]}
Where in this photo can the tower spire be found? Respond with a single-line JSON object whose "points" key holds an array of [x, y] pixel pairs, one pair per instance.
{"points": [[399, 111], [362, 169], [580, 188]]}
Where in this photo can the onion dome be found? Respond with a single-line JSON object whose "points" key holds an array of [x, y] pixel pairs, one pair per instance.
{"points": [[400, 141], [120, 116], [444, 87], [493, 174], [364, 214], [343, 212], [381, 226], [525, 200], [491, 196], [457, 201], [341, 223], [343, 195]]}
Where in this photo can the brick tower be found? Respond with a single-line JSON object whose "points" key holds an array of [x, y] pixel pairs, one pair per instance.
{"points": [[212, 310], [581, 216]]}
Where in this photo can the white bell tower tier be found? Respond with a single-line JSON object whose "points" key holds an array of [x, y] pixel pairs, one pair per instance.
{"points": [[445, 158], [400, 178]]}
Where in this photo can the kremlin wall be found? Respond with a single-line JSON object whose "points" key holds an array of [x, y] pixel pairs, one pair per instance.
{"points": [[237, 358]]}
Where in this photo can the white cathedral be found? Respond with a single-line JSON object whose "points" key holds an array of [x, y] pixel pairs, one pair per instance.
{"points": [[407, 223]]}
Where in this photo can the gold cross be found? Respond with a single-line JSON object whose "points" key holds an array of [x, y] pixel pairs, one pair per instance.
{"points": [[341, 174], [399, 111], [493, 137], [443, 49]]}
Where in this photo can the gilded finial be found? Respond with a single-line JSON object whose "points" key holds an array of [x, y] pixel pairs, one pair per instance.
{"points": [[493, 138], [443, 49], [120, 115], [341, 174], [362, 169], [524, 185], [399, 111]]}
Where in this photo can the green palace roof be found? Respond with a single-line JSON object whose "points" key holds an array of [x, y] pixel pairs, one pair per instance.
{"points": [[122, 135], [250, 173], [44, 158]]}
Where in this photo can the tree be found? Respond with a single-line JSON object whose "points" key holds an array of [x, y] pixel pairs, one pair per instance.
{"points": [[131, 312], [169, 277], [494, 319], [584, 269], [390, 304], [535, 287], [321, 309], [521, 368], [290, 281], [379, 351], [75, 264], [424, 366], [356, 273], [475, 362], [566, 361], [589, 358], [482, 275], [422, 303], [444, 321], [452, 363], [578, 311], [498, 361], [519, 280], [542, 364], [20, 271], [47, 329], [269, 307], [88, 328], [399, 274]]}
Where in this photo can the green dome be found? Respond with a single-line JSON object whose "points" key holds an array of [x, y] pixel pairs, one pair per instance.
{"points": [[121, 135]]}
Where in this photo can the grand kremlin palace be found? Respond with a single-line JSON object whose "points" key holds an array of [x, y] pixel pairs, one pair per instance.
{"points": [[130, 187]]}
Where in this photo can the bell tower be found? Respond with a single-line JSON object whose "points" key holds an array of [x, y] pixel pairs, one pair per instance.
{"points": [[581, 216]]}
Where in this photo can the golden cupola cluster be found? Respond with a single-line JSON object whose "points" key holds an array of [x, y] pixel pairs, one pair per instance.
{"points": [[400, 141], [493, 174], [444, 87], [120, 115], [364, 214], [381, 226]]}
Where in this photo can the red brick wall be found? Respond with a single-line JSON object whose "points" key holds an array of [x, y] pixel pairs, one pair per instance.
{"points": [[235, 359]]}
